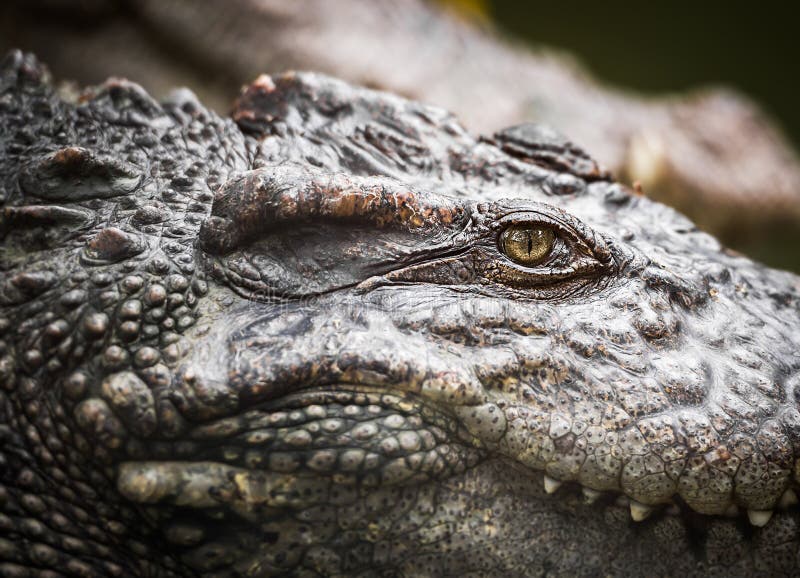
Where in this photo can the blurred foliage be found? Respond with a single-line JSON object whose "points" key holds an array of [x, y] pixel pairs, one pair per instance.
{"points": [[475, 9], [661, 47]]}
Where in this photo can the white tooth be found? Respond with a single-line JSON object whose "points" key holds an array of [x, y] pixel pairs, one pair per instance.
{"points": [[759, 517], [551, 485], [590, 496], [788, 499], [640, 511]]}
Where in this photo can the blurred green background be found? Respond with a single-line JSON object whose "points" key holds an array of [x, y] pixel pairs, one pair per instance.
{"points": [[678, 45]]}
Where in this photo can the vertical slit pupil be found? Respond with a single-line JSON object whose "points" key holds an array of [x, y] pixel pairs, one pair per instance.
{"points": [[527, 244]]}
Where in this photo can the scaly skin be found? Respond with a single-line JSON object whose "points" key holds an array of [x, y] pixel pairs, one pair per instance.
{"points": [[290, 344], [712, 154]]}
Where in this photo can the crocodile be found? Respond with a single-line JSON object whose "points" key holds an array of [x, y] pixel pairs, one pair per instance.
{"points": [[711, 153], [335, 334]]}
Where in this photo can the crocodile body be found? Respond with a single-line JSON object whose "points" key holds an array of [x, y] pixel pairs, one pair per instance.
{"points": [[307, 341]]}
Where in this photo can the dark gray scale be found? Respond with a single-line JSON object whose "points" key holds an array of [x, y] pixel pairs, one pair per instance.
{"points": [[543, 146], [76, 173]]}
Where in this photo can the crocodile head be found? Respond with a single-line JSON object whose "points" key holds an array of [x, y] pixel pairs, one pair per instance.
{"points": [[337, 335]]}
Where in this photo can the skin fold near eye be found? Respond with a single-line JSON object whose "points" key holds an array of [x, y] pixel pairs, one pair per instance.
{"points": [[527, 244]]}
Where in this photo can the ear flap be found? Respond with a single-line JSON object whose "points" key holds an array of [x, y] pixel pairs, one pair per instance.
{"points": [[547, 148]]}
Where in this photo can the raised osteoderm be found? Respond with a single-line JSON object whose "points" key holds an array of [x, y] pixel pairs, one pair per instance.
{"points": [[336, 335]]}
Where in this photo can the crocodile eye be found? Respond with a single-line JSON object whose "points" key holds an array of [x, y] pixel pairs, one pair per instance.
{"points": [[544, 251], [527, 244]]}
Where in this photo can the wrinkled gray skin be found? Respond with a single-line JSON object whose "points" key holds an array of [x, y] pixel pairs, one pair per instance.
{"points": [[288, 343]]}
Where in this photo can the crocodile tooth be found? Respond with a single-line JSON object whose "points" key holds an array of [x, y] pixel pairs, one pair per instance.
{"points": [[551, 485], [590, 496], [640, 511], [788, 499], [759, 517]]}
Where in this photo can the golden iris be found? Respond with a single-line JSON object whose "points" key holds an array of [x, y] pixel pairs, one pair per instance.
{"points": [[527, 244]]}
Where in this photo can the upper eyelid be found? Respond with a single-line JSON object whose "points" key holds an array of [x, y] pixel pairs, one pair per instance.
{"points": [[563, 229], [538, 213]]}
